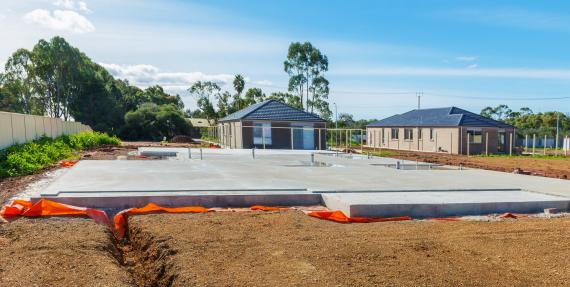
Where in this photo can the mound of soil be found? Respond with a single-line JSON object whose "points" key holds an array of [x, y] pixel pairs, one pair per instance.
{"points": [[290, 248], [59, 252]]}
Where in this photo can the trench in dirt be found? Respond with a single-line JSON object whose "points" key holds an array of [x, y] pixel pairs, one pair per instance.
{"points": [[146, 258]]}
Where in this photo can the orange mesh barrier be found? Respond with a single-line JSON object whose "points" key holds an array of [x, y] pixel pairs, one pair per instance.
{"points": [[508, 215], [51, 208], [268, 208], [69, 163], [339, 216], [121, 219]]}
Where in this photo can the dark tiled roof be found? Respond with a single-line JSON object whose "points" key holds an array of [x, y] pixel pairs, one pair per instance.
{"points": [[272, 110], [439, 117]]}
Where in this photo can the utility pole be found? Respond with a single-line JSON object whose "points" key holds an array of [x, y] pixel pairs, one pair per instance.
{"points": [[557, 129], [418, 94], [336, 116]]}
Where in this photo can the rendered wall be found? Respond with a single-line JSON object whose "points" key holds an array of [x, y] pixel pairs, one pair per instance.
{"points": [[445, 140], [20, 128]]}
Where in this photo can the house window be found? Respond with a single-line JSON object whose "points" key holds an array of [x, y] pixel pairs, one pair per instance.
{"points": [[383, 135], [475, 137], [394, 133], [419, 133], [262, 133], [431, 134], [408, 134]]}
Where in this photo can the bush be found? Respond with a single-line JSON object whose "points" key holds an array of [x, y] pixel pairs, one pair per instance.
{"points": [[154, 122], [28, 158]]}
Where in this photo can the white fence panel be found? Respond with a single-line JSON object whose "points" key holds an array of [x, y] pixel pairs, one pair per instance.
{"points": [[19, 128]]}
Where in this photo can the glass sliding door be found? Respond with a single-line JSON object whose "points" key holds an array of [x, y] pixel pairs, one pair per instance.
{"points": [[262, 134], [303, 136]]}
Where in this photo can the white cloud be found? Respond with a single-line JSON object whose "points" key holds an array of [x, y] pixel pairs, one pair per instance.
{"points": [[512, 17], [521, 73], [63, 20], [263, 83], [72, 5], [472, 66], [148, 75], [465, 58]]}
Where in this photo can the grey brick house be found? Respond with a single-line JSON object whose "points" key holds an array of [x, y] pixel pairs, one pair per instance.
{"points": [[272, 125], [449, 130]]}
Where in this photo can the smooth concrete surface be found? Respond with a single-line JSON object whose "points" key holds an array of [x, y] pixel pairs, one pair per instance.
{"points": [[442, 204], [354, 184]]}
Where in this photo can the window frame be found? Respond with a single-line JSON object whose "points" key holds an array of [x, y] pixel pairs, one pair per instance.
{"points": [[408, 134], [473, 134], [258, 138], [394, 134]]}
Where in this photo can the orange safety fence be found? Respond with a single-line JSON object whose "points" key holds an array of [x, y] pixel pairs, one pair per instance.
{"points": [[121, 219], [67, 163], [339, 216], [268, 208], [508, 215], [45, 207]]}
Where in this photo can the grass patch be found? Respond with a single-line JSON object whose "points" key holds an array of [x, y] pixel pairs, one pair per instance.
{"points": [[28, 158], [527, 156], [381, 153]]}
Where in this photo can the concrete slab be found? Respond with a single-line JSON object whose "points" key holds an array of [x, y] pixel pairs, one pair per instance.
{"points": [[442, 203], [357, 185]]}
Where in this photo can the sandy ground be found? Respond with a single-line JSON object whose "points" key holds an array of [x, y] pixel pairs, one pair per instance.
{"points": [[290, 248], [548, 167], [59, 252]]}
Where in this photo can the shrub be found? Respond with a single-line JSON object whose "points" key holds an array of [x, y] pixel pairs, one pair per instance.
{"points": [[25, 159]]}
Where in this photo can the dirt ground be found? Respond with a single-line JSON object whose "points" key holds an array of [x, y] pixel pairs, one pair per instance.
{"points": [[290, 248], [59, 252], [548, 167]]}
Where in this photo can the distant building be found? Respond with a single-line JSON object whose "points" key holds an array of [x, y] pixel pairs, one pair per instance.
{"points": [[201, 123], [449, 130], [272, 125]]}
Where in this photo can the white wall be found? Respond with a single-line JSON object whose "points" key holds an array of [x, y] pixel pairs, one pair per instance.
{"points": [[20, 128]]}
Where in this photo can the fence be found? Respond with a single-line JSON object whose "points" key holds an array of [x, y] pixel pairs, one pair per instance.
{"points": [[534, 144], [20, 128]]}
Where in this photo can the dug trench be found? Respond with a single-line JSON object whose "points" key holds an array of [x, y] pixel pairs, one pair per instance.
{"points": [[147, 258]]}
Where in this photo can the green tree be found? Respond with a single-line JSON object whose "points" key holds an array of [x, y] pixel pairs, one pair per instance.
{"points": [[239, 85], [287, 98], [17, 82], [153, 122], [204, 92], [253, 95], [306, 65]]}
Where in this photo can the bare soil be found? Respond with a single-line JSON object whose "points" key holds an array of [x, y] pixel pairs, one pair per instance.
{"points": [[547, 167], [59, 252], [290, 248]]}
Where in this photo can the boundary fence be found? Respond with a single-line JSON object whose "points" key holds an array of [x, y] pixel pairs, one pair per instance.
{"points": [[533, 144], [20, 128]]}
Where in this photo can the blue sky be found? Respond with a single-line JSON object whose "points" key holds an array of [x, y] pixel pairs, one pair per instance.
{"points": [[469, 54]]}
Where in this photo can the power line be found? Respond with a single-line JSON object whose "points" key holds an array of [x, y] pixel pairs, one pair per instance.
{"points": [[498, 99], [423, 94]]}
